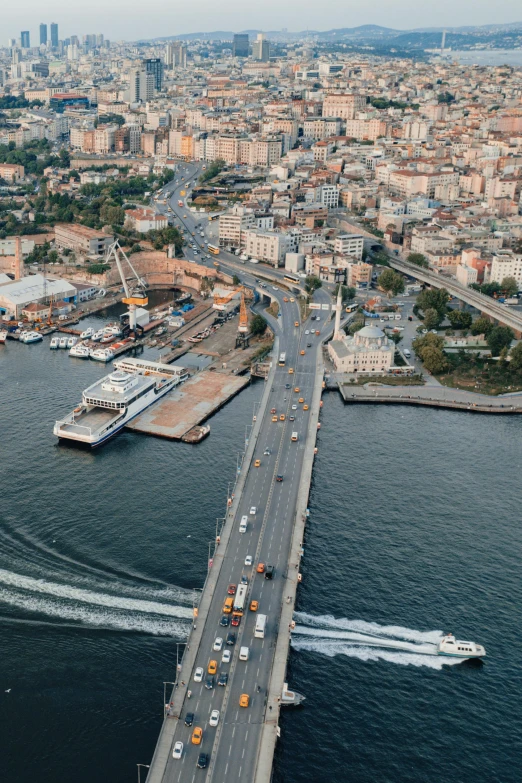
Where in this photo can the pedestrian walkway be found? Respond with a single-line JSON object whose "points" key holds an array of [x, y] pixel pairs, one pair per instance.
{"points": [[431, 396]]}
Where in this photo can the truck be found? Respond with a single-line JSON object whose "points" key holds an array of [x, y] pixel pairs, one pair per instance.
{"points": [[259, 631]]}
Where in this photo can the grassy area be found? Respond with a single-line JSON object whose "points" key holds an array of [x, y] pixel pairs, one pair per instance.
{"points": [[483, 376]]}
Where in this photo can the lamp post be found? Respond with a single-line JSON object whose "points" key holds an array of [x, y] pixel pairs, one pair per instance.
{"points": [[219, 527], [165, 683], [147, 766], [211, 560]]}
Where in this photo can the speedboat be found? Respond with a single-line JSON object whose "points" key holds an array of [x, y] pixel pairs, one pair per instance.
{"points": [[80, 351], [97, 336], [71, 342], [63, 342], [101, 354], [456, 648], [55, 343], [87, 333]]}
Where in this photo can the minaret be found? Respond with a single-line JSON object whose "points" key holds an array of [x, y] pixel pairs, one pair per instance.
{"points": [[337, 330], [18, 262]]}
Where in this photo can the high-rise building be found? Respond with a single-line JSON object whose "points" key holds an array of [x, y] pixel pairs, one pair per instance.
{"points": [[240, 45], [54, 35], [43, 34], [25, 41], [141, 86], [176, 55], [154, 65], [261, 48]]}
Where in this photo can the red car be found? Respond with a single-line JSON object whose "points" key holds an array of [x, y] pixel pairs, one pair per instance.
{"points": [[236, 620], [231, 589]]}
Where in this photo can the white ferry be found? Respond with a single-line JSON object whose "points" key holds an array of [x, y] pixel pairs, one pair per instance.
{"points": [[101, 354], [112, 402], [454, 648]]}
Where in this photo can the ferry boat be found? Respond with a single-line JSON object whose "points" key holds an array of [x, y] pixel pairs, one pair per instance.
{"points": [[455, 648], [3, 336], [101, 354], [55, 343], [80, 351], [87, 334], [112, 402]]}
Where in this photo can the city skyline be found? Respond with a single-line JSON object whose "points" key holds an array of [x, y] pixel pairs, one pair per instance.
{"points": [[119, 23]]}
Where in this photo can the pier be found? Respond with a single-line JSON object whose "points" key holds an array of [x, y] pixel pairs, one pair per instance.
{"points": [[431, 396]]}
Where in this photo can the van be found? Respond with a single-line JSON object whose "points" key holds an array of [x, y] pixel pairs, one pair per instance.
{"points": [[227, 606], [294, 436], [243, 524], [243, 654]]}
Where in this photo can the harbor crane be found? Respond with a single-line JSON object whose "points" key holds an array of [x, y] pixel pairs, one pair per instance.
{"points": [[135, 294]]}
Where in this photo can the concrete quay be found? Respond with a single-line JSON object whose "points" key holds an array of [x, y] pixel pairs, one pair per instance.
{"points": [[430, 396]]}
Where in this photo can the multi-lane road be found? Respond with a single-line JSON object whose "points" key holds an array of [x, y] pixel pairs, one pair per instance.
{"points": [[232, 746]]}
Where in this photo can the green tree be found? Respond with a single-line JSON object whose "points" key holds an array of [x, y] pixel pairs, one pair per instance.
{"points": [[482, 326], [392, 282], [488, 289], [499, 337], [436, 298], [347, 292], [396, 337], [516, 357], [235, 280], [510, 286], [212, 170], [419, 259], [432, 318], [53, 257], [459, 319], [312, 283], [356, 325], [258, 325], [429, 348]]}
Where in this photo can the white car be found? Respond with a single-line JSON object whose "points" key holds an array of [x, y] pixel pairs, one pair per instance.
{"points": [[214, 718], [178, 750], [253, 510], [294, 407], [248, 560], [307, 331], [275, 288], [218, 644], [198, 674], [227, 655]]}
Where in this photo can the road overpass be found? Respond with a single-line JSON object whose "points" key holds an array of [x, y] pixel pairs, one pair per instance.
{"points": [[485, 304]]}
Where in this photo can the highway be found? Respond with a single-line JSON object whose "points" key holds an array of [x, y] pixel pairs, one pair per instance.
{"points": [[232, 746]]}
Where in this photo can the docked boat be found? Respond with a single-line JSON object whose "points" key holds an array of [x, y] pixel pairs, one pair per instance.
{"points": [[96, 337], [3, 336], [55, 343], [101, 354], [71, 342], [113, 330], [87, 334], [63, 342], [112, 402], [456, 648], [107, 338], [30, 337], [80, 351]]}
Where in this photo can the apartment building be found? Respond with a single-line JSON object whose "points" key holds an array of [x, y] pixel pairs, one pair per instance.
{"points": [[233, 227], [266, 246], [319, 128], [343, 106], [506, 263], [144, 220], [11, 172], [81, 239], [348, 245], [367, 129], [408, 183], [309, 215]]}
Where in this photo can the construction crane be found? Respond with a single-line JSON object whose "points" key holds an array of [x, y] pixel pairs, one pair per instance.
{"points": [[135, 295], [243, 316]]}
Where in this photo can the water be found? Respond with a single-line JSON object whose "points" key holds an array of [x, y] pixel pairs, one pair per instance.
{"points": [[414, 529], [511, 57]]}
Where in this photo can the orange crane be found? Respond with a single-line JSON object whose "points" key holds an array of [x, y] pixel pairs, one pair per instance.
{"points": [[243, 316]]}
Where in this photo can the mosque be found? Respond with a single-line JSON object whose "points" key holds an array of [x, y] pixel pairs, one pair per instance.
{"points": [[367, 352]]}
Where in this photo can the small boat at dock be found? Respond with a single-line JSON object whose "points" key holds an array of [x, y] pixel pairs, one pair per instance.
{"points": [[101, 355], [30, 337], [3, 336], [63, 342], [87, 334], [54, 344], [80, 351], [71, 342], [96, 337]]}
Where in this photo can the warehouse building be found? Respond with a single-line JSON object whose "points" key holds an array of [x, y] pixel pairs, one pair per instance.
{"points": [[16, 295]]}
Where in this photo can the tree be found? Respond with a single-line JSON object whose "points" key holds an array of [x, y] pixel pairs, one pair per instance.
{"points": [[392, 282], [356, 326], [235, 280], [258, 325], [482, 326], [396, 337], [488, 289], [432, 318], [498, 338], [52, 257], [436, 298], [459, 319], [429, 348], [347, 292], [510, 286], [312, 283], [516, 357], [419, 259]]}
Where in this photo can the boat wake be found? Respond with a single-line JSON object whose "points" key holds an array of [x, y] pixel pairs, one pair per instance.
{"points": [[93, 607], [332, 636]]}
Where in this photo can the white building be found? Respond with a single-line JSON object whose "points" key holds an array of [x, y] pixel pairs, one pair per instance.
{"points": [[505, 263], [233, 225], [349, 245], [368, 352], [266, 246], [17, 294]]}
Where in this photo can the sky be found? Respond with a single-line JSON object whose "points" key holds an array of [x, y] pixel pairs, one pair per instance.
{"points": [[133, 19]]}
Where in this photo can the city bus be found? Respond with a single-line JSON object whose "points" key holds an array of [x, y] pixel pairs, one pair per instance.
{"points": [[351, 308], [240, 600], [213, 249], [260, 628], [291, 279], [282, 359]]}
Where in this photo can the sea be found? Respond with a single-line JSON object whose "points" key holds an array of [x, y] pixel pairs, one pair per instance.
{"points": [[414, 530], [511, 57]]}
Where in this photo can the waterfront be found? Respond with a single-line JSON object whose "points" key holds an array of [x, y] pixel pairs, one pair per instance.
{"points": [[100, 552], [493, 57]]}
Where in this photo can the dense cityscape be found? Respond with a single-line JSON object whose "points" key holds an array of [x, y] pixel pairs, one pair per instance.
{"points": [[299, 214]]}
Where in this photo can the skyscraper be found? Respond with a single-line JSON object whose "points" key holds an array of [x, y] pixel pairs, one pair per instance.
{"points": [[175, 54], [240, 45], [154, 65], [43, 34], [261, 48], [25, 41], [54, 35]]}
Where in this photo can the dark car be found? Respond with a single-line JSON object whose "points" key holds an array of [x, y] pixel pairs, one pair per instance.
{"points": [[202, 760], [231, 638], [308, 345], [287, 385], [209, 682], [244, 579], [225, 620], [269, 573], [236, 620], [189, 719], [223, 678], [279, 477]]}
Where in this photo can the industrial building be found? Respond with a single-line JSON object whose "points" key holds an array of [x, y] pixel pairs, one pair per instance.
{"points": [[16, 295]]}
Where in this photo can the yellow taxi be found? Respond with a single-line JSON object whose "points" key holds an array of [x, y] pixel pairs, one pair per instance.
{"points": [[291, 371], [292, 299], [305, 407], [274, 418], [197, 736], [296, 323], [212, 667], [254, 606], [244, 700], [257, 463], [301, 399], [302, 353], [297, 389], [282, 417]]}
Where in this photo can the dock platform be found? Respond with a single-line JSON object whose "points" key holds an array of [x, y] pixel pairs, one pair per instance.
{"points": [[192, 403], [432, 397]]}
